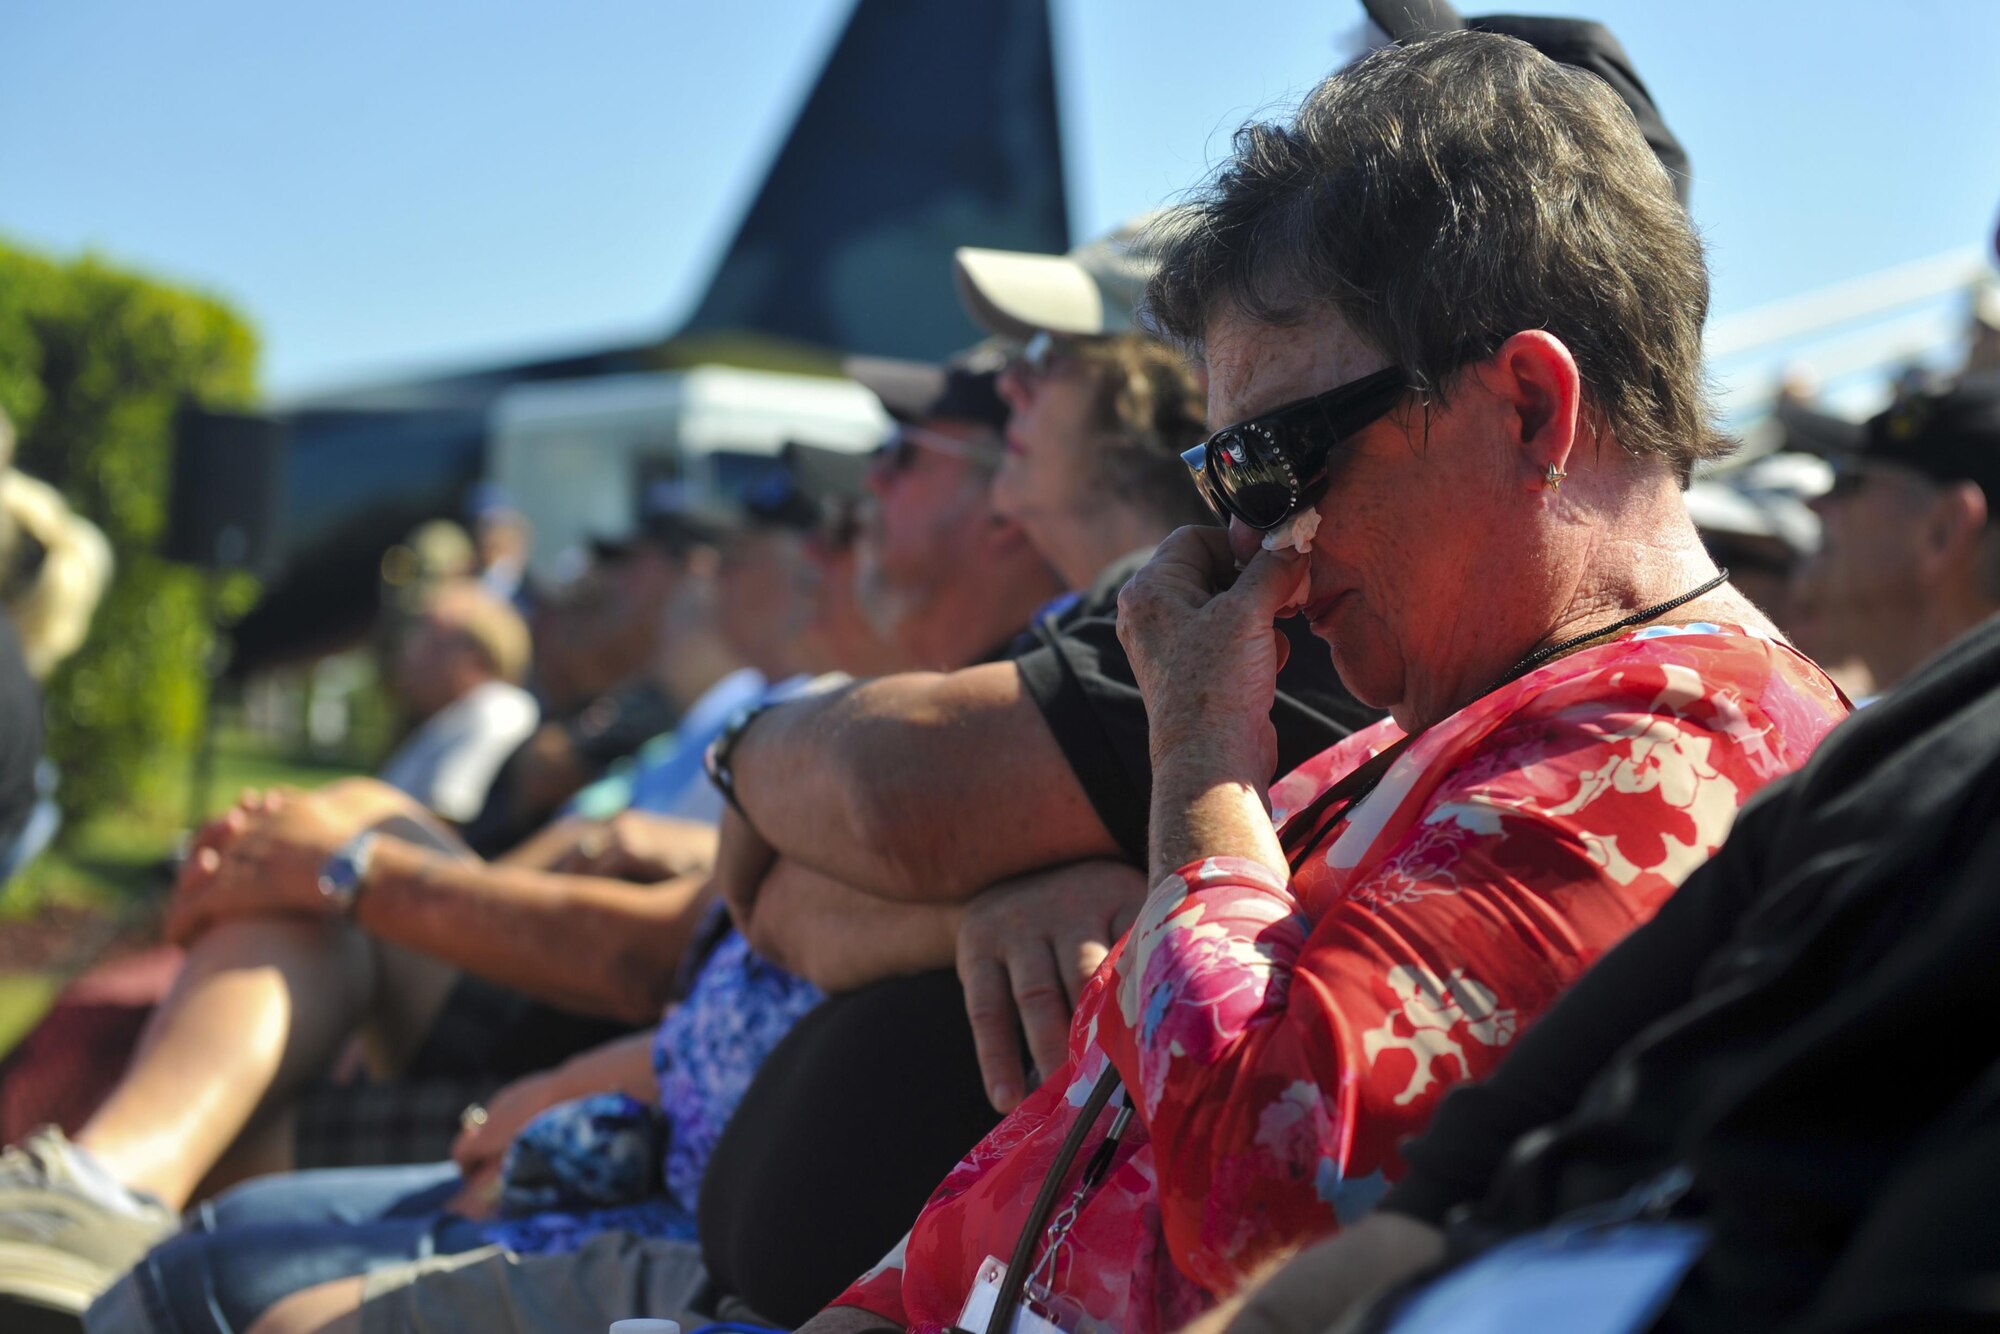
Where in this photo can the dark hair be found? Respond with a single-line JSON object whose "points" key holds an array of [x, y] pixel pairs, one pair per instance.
{"points": [[1149, 406], [1443, 196]]}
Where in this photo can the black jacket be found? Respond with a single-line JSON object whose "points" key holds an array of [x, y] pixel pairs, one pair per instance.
{"points": [[1811, 1026]]}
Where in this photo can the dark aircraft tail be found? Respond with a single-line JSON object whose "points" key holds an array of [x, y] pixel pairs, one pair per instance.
{"points": [[933, 126]]}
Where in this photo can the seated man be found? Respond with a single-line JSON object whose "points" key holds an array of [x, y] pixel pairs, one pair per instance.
{"points": [[885, 1071], [1748, 1084], [303, 932], [458, 674], [1909, 555], [596, 659]]}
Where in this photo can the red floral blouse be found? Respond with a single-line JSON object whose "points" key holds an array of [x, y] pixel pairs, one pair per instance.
{"points": [[1280, 1039]]}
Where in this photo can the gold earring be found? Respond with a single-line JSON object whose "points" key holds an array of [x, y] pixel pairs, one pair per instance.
{"points": [[1553, 478]]}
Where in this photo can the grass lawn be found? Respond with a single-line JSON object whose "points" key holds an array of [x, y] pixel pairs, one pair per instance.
{"points": [[109, 870]]}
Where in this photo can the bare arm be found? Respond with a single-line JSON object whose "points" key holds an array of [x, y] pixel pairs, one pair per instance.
{"points": [[839, 938], [924, 786], [584, 943], [588, 943]]}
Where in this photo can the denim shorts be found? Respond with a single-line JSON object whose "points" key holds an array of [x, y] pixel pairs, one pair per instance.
{"points": [[269, 1238]]}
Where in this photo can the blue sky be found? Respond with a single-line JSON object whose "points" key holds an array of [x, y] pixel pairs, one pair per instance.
{"points": [[396, 184]]}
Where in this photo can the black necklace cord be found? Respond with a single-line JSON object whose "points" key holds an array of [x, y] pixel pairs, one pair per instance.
{"points": [[1311, 823], [1540, 656]]}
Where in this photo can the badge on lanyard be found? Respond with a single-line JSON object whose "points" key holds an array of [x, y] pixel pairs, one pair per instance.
{"points": [[1030, 1317]]}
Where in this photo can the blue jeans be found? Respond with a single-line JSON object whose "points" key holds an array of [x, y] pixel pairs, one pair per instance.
{"points": [[269, 1238]]}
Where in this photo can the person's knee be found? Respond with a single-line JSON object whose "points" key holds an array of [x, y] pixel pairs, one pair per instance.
{"points": [[366, 800], [278, 942]]}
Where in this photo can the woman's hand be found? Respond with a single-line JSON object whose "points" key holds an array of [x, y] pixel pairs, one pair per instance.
{"points": [[1205, 649], [488, 1132], [623, 1065]]}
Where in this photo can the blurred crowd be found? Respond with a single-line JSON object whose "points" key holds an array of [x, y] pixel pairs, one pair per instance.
{"points": [[1227, 819]]}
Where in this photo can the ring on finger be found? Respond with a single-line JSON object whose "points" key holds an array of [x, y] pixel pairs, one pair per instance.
{"points": [[473, 1117]]}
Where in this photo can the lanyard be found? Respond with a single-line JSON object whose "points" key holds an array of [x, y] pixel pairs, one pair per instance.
{"points": [[1018, 1271]]}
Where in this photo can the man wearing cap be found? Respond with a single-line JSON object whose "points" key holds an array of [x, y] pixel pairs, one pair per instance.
{"points": [[1909, 558]]}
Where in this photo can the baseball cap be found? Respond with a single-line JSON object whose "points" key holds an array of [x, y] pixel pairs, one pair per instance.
{"points": [[1579, 43], [673, 517], [825, 474], [1948, 436], [965, 388], [1092, 291], [808, 487]]}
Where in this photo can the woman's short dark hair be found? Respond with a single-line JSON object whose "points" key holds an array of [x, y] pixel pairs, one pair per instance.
{"points": [[1443, 196], [1149, 408]]}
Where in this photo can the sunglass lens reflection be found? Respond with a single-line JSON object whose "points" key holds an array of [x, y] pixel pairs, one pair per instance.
{"points": [[1256, 480]]}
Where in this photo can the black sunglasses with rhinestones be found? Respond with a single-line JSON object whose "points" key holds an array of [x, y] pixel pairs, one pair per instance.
{"points": [[1265, 469]]}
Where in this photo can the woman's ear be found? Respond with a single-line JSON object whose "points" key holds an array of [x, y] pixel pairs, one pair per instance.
{"points": [[1540, 395]]}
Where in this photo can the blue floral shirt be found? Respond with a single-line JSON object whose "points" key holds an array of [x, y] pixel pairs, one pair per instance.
{"points": [[706, 1052]]}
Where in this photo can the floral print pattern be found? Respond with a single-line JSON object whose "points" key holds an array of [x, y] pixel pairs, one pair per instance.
{"points": [[705, 1054], [1281, 1037]]}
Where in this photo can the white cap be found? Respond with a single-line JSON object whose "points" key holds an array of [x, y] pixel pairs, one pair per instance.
{"points": [[645, 1326], [1093, 291], [1765, 499]]}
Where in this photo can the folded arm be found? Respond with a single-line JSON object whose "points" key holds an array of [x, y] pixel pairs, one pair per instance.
{"points": [[585, 943], [840, 939], [923, 786]]}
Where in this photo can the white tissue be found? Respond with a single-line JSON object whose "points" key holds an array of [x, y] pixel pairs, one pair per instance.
{"points": [[1295, 533]]}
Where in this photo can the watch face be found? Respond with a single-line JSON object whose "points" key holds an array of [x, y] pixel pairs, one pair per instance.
{"points": [[340, 875]]}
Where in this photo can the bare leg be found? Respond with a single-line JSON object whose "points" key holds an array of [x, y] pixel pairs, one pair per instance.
{"points": [[260, 1006], [330, 1308]]}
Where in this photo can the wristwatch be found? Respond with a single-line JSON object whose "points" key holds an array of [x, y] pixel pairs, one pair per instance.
{"points": [[717, 759], [341, 874]]}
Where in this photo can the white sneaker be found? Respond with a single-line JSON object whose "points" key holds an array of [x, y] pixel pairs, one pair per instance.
{"points": [[61, 1244]]}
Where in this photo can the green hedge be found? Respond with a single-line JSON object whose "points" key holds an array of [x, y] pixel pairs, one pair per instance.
{"points": [[93, 361]]}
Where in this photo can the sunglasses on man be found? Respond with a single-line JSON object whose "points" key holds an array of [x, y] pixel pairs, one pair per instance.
{"points": [[1267, 468], [1045, 354], [899, 451]]}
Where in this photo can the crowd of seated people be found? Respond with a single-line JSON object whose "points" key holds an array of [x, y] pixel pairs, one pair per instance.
{"points": [[1236, 826]]}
